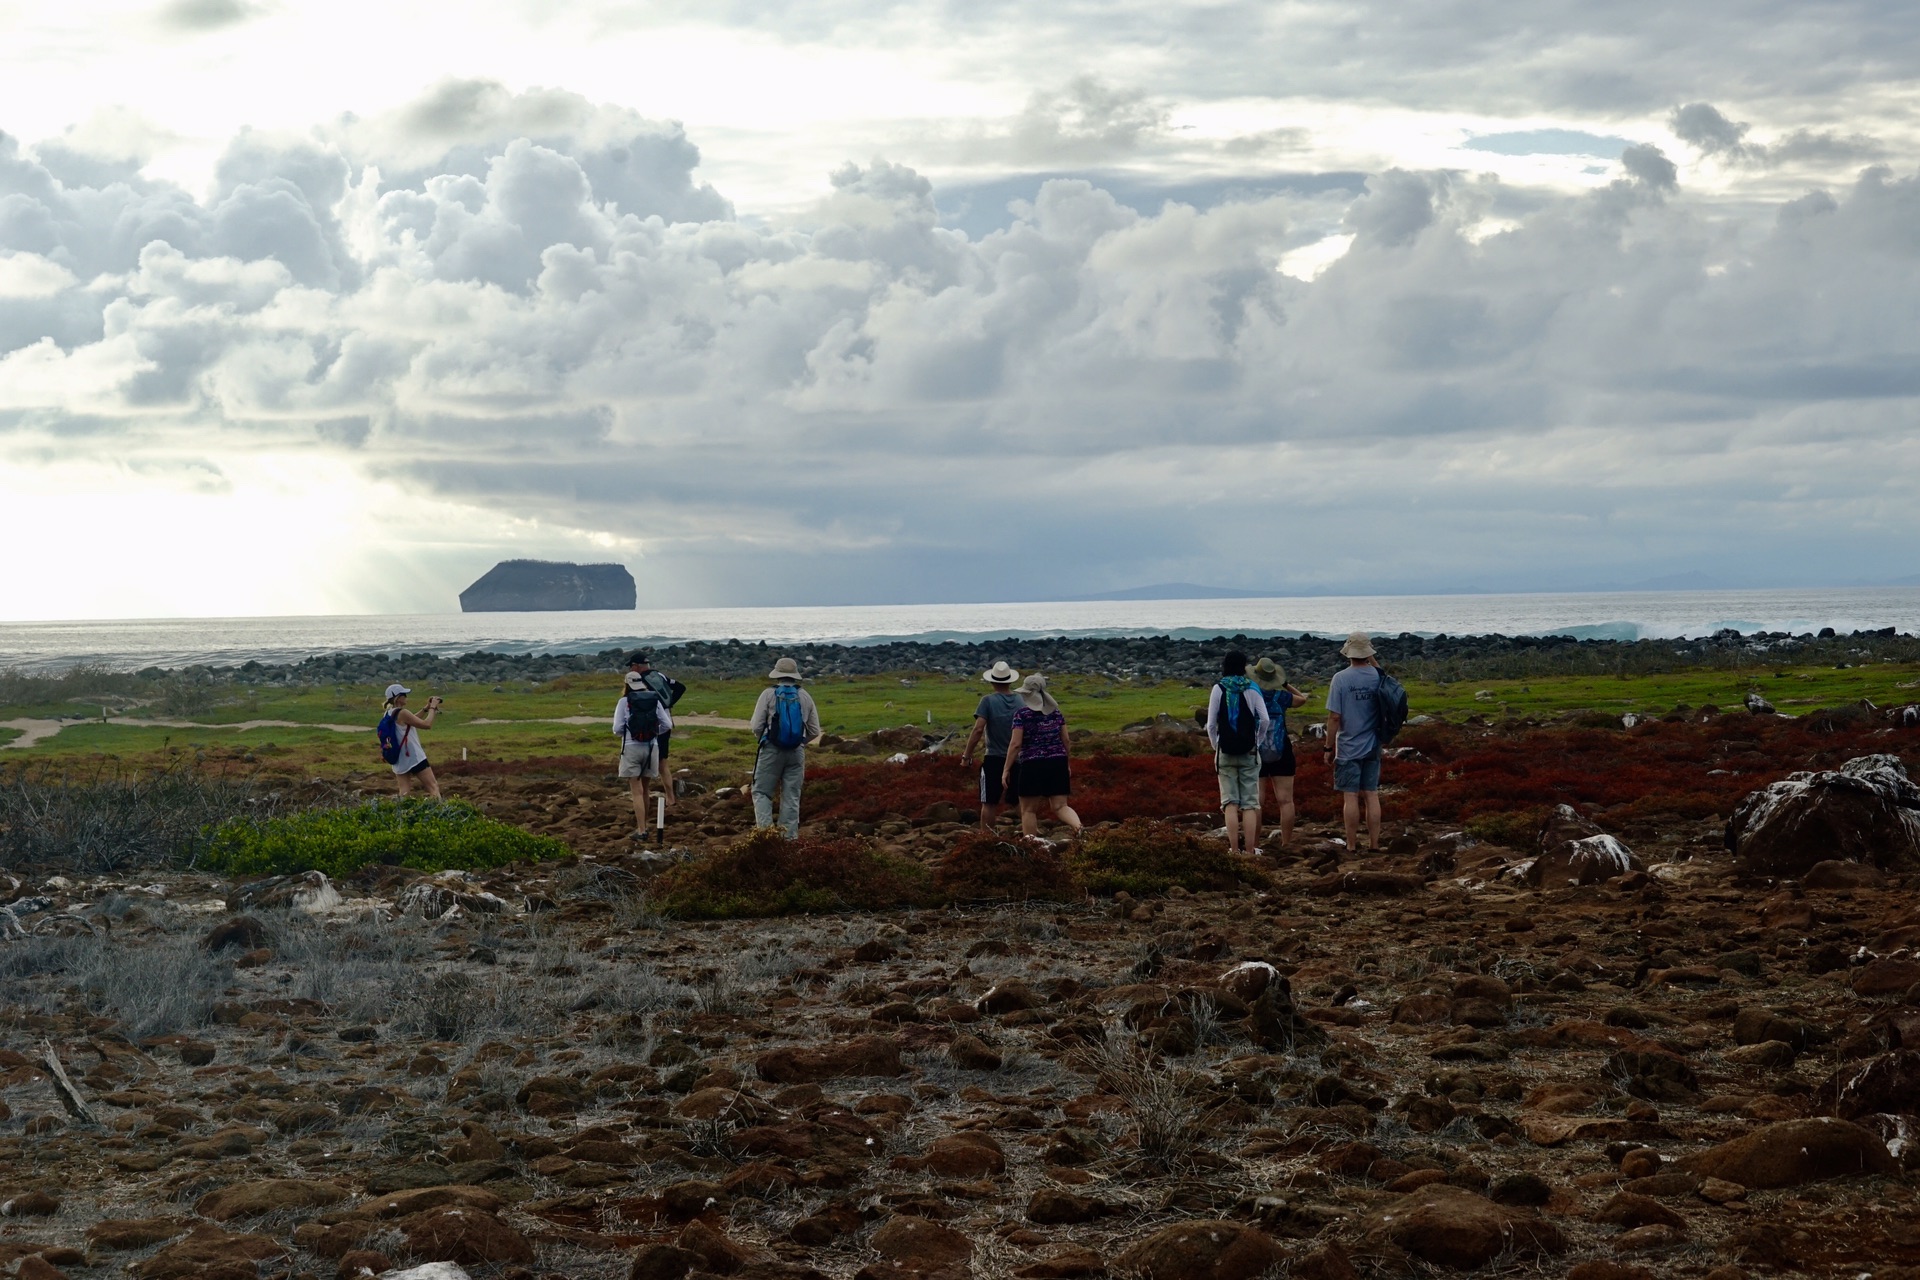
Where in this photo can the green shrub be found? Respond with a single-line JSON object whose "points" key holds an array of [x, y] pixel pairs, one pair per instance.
{"points": [[426, 834], [1513, 828], [981, 866], [1143, 856], [766, 874]]}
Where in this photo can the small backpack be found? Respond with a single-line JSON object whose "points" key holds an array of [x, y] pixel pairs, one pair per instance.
{"points": [[787, 722], [388, 733], [1389, 707], [643, 715], [1239, 727]]}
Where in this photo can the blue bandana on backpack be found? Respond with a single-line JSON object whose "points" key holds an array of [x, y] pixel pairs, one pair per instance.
{"points": [[1236, 738]]}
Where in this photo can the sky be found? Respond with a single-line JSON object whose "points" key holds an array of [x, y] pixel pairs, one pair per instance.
{"points": [[315, 308]]}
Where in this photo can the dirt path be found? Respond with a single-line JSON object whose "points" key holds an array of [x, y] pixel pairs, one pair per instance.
{"points": [[705, 722], [33, 732]]}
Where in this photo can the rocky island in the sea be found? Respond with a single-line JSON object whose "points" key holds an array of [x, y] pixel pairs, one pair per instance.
{"points": [[537, 586]]}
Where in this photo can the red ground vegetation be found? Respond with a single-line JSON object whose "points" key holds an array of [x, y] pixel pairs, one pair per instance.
{"points": [[766, 874], [983, 867], [1686, 768]]}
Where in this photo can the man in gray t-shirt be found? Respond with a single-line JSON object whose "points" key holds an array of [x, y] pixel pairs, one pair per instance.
{"points": [[1353, 740], [993, 721]]}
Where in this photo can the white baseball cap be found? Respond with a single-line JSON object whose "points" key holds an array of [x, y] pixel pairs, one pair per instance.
{"points": [[395, 690]]}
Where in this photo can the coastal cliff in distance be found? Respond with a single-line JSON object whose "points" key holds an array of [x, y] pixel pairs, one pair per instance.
{"points": [[541, 586]]}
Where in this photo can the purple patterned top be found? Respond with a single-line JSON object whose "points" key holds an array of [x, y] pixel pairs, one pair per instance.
{"points": [[1040, 734]]}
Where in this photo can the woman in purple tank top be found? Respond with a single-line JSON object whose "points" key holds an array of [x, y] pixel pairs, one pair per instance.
{"points": [[1041, 748]]}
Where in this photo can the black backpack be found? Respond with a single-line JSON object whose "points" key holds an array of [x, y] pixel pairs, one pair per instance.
{"points": [[1389, 707], [1238, 727], [643, 715]]}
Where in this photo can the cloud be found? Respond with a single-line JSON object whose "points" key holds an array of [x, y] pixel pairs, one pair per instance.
{"points": [[1703, 127], [1489, 385], [207, 15]]}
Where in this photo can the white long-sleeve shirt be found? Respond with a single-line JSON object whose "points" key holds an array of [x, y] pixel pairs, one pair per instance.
{"points": [[1254, 701]]}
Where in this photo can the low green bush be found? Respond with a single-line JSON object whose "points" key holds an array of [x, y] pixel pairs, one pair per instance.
{"points": [[1142, 856], [1513, 828], [766, 874], [426, 834]]}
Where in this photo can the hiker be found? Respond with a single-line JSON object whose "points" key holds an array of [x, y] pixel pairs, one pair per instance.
{"points": [[1353, 743], [784, 721], [1038, 747], [1237, 725], [993, 722], [411, 764], [1277, 766], [642, 722], [641, 664]]}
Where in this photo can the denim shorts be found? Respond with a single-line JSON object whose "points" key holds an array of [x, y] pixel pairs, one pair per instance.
{"points": [[1362, 774], [1239, 779]]}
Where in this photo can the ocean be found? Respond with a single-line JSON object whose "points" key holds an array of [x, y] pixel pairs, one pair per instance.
{"points": [[174, 642]]}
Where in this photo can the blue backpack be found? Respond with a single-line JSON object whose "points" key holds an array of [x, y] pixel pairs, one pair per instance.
{"points": [[387, 732], [787, 721]]}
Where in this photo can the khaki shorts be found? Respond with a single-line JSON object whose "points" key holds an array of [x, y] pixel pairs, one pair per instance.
{"points": [[639, 759], [1239, 779]]}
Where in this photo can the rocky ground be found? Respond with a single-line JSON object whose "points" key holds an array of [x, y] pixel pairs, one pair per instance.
{"points": [[1130, 658], [1394, 1065]]}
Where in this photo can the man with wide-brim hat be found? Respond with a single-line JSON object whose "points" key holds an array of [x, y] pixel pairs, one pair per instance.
{"points": [[1277, 764], [1353, 742], [784, 722], [993, 723]]}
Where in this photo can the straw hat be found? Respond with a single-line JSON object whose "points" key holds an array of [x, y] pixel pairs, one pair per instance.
{"points": [[1033, 692], [1358, 645], [1000, 673], [785, 669], [1269, 674]]}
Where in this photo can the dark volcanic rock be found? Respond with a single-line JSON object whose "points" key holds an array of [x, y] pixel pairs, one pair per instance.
{"points": [[1456, 1228], [1210, 1250], [534, 586], [1573, 851], [1792, 1152], [1867, 811]]}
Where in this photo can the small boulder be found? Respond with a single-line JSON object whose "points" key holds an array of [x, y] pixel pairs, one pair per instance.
{"points": [[30, 1204], [1203, 1250], [972, 1054], [1834, 874], [662, 1262], [1456, 1228], [1888, 1084], [916, 1244], [1865, 811], [241, 933], [463, 1235], [1051, 1206], [861, 1056], [1574, 851], [266, 1195], [1793, 1152]]}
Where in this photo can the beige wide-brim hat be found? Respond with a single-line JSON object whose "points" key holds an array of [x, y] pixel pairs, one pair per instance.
{"points": [[1269, 674], [785, 669], [1358, 645], [1000, 673], [1033, 692]]}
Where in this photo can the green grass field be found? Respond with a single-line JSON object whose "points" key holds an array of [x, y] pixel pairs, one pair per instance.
{"points": [[849, 706]]}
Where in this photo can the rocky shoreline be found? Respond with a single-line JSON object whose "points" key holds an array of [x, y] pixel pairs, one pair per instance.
{"points": [[1440, 657]]}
